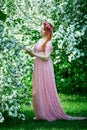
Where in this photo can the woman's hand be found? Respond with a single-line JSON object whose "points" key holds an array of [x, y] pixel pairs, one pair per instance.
{"points": [[29, 51]]}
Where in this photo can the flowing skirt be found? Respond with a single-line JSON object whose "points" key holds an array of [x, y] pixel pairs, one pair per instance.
{"points": [[46, 102]]}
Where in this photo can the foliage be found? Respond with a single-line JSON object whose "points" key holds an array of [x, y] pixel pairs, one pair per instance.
{"points": [[20, 23], [13, 68], [70, 42]]}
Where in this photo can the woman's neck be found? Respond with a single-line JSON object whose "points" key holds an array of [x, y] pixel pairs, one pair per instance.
{"points": [[44, 38]]}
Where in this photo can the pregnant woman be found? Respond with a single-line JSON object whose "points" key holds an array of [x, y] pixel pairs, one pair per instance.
{"points": [[46, 102]]}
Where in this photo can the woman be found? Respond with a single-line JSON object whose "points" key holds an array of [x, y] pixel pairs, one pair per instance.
{"points": [[46, 101]]}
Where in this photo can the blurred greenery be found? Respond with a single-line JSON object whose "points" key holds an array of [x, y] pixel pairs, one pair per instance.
{"points": [[20, 24]]}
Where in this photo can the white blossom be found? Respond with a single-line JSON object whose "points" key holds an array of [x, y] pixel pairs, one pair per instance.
{"points": [[1, 118]]}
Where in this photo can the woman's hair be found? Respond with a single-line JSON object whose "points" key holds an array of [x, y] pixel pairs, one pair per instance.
{"points": [[49, 30]]}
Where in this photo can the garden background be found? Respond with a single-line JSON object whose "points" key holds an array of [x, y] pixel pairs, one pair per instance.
{"points": [[20, 24]]}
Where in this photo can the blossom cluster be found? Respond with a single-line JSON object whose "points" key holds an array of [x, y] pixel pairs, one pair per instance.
{"points": [[13, 67]]}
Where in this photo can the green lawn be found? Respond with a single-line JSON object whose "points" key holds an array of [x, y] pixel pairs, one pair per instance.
{"points": [[73, 105]]}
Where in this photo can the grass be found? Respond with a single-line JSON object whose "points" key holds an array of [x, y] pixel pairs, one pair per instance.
{"points": [[73, 105]]}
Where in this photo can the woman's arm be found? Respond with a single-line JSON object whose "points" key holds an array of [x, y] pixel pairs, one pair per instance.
{"points": [[42, 56], [29, 51]]}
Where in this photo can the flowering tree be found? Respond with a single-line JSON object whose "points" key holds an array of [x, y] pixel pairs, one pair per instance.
{"points": [[13, 68], [15, 32], [70, 39], [20, 23]]}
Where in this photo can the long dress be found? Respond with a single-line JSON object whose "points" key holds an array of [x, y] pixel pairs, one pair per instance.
{"points": [[46, 102]]}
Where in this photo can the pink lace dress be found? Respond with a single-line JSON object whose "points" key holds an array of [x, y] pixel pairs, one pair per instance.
{"points": [[46, 101]]}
